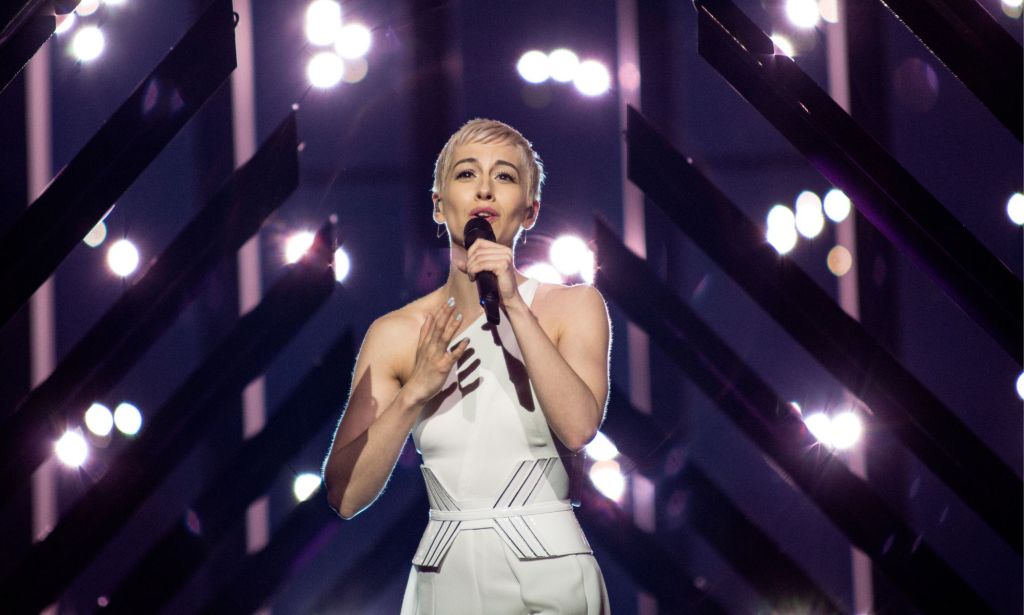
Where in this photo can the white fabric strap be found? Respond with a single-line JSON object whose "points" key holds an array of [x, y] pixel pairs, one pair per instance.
{"points": [[498, 513]]}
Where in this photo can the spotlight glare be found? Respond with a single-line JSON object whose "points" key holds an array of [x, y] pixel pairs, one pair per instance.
{"points": [[601, 448], [563, 63], [87, 7], [783, 45], [88, 43], [543, 272], [608, 479], [533, 67], [820, 425], [305, 485], [802, 13], [781, 231], [72, 449], [829, 10], [846, 429], [839, 261], [65, 23], [1013, 4], [355, 70], [837, 205], [297, 245], [809, 220], [353, 41], [127, 418], [1015, 208], [592, 78], [99, 420], [1020, 385], [323, 22], [588, 268], [568, 254], [325, 70], [96, 235], [123, 257], [342, 265]]}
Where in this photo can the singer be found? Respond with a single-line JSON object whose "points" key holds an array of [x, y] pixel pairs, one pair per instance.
{"points": [[499, 405]]}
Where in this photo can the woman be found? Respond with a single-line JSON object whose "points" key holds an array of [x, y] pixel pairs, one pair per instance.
{"points": [[497, 415]]}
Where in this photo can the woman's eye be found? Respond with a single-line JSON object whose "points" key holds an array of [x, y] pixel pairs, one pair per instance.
{"points": [[466, 173], [507, 177]]}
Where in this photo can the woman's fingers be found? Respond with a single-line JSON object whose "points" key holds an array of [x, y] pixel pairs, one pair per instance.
{"points": [[450, 328], [456, 351], [425, 328]]}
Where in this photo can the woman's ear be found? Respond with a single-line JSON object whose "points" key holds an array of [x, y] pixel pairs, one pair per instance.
{"points": [[531, 215], [438, 213]]}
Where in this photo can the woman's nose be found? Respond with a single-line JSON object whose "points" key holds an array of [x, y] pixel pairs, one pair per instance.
{"points": [[483, 191]]}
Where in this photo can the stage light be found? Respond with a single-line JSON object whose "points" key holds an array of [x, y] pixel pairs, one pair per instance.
{"points": [[1015, 208], [114, 2], [96, 235], [781, 231], [601, 448], [837, 205], [297, 245], [802, 13], [563, 64], [323, 22], [846, 429], [123, 257], [839, 261], [809, 220], [355, 70], [568, 254], [353, 41], [1012, 8], [608, 479], [592, 78], [588, 268], [72, 449], [820, 425], [783, 45], [543, 272], [325, 69], [87, 44], [127, 418], [342, 265], [305, 485], [99, 420], [829, 10], [1020, 385], [65, 23], [87, 7], [533, 67]]}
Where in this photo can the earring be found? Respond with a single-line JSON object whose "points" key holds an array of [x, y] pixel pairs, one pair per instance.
{"points": [[439, 227], [525, 235]]}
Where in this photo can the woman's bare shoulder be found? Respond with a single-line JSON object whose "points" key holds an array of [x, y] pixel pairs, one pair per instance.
{"points": [[397, 332]]}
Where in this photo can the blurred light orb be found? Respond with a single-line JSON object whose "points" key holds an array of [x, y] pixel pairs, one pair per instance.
{"points": [[589, 267], [829, 10], [123, 257], [72, 449], [802, 13], [353, 41], [533, 67], [88, 43], [355, 70], [127, 418], [563, 64], [114, 2], [543, 272], [1015, 208], [847, 429], [342, 265], [1012, 8], [839, 261], [96, 235], [568, 254], [783, 45], [305, 485], [325, 70], [837, 205], [99, 420], [297, 245], [601, 448], [65, 23], [87, 7], [323, 22], [820, 426], [781, 231], [608, 479], [592, 78], [1020, 385], [809, 219]]}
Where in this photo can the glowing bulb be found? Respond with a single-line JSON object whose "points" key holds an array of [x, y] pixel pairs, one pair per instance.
{"points": [[87, 7], [98, 419], [72, 449], [829, 10], [563, 65], [802, 13], [781, 233], [809, 220], [342, 265], [1020, 385], [88, 43], [601, 448], [353, 41], [323, 22], [355, 70], [543, 272], [783, 45], [96, 235], [592, 78], [839, 261], [325, 69], [297, 245], [533, 67], [1015, 208], [123, 257], [846, 429], [305, 485], [608, 479], [64, 23], [820, 425], [568, 254], [127, 418], [837, 205]]}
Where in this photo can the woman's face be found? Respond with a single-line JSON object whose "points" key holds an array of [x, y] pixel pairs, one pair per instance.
{"points": [[487, 180]]}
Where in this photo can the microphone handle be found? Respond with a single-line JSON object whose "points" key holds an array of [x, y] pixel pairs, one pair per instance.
{"points": [[487, 286]]}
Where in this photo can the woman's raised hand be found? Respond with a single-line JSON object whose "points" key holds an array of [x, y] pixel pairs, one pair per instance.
{"points": [[434, 357]]}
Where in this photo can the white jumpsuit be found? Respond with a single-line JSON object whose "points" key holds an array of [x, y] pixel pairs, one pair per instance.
{"points": [[502, 537]]}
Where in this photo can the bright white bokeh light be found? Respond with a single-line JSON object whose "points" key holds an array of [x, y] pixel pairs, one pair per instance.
{"points": [[123, 257], [297, 245], [99, 419], [592, 78], [325, 69], [127, 418], [802, 13], [589, 267], [87, 7], [355, 70], [65, 23], [784, 45], [608, 479], [601, 448], [342, 265], [781, 231], [88, 43], [1015, 208], [543, 272], [809, 219], [533, 66], [114, 2], [353, 41], [96, 235], [1020, 385], [323, 22], [837, 205], [72, 449], [829, 10], [846, 429], [305, 485], [1013, 4], [820, 425], [563, 64], [568, 254]]}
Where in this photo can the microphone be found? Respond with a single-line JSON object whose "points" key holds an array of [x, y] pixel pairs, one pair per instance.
{"points": [[486, 281]]}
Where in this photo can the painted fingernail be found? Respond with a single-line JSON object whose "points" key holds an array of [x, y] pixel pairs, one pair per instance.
{"points": [[451, 301], [458, 316]]}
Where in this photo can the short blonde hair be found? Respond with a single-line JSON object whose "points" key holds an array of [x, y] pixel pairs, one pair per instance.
{"points": [[482, 130]]}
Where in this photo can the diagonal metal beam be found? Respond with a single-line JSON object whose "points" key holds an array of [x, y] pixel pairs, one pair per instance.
{"points": [[982, 55], [16, 51], [889, 197], [113, 345], [243, 354], [168, 565], [32, 248], [767, 420], [900, 403]]}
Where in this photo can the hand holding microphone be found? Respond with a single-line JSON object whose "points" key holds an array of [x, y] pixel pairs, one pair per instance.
{"points": [[486, 281]]}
